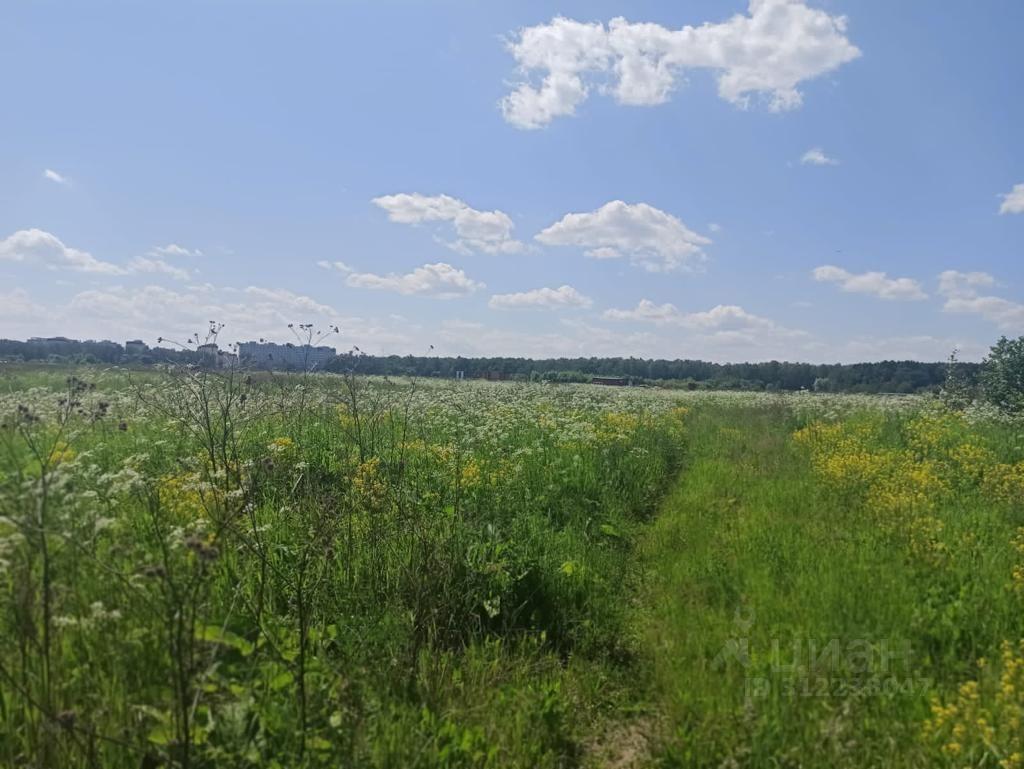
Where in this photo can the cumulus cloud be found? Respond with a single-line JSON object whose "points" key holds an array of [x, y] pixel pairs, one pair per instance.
{"points": [[876, 283], [150, 265], [816, 157], [724, 331], [955, 283], [962, 292], [563, 297], [339, 266], [53, 176], [35, 246], [1013, 201], [647, 311], [477, 231], [17, 305], [649, 237], [439, 280], [151, 311], [157, 310], [1004, 313], [168, 311], [921, 347], [720, 317], [769, 52], [569, 338], [173, 249], [38, 247]]}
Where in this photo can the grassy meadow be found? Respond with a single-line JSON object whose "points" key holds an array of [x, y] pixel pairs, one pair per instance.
{"points": [[205, 569]]}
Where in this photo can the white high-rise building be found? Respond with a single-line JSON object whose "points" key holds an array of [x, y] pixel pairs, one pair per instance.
{"points": [[300, 357]]}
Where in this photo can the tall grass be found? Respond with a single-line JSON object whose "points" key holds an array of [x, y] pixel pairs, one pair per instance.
{"points": [[203, 569], [822, 590]]}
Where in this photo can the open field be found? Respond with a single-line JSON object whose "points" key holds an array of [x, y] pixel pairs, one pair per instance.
{"points": [[205, 570]]}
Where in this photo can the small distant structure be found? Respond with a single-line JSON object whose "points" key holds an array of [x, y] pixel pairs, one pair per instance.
{"points": [[460, 374], [212, 356], [611, 381], [495, 376], [299, 357], [135, 347], [51, 341]]}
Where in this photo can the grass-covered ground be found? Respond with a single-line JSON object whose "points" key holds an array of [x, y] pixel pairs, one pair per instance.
{"points": [[217, 570], [207, 570], [818, 587]]}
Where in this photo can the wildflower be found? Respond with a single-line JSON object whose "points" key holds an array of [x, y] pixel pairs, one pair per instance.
{"points": [[471, 474], [369, 484], [986, 718], [61, 452], [281, 445]]}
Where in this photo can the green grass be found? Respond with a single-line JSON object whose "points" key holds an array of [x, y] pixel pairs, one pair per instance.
{"points": [[201, 570], [752, 549]]}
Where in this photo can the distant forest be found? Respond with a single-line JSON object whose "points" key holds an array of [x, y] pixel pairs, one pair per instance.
{"points": [[881, 377]]}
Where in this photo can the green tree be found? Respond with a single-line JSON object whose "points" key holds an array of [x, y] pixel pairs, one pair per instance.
{"points": [[957, 391], [1002, 375]]}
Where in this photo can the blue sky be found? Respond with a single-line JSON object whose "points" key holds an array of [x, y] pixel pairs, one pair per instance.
{"points": [[824, 180]]}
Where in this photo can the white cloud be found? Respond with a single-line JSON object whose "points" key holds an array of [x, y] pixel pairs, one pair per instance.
{"points": [[1013, 201], [563, 297], [53, 176], [478, 231], [339, 266], [295, 304], [816, 157], [876, 283], [647, 311], [768, 53], [725, 332], [648, 236], [173, 249], [145, 264], [438, 280], [35, 246], [919, 347], [248, 313], [722, 317], [962, 296], [570, 338], [148, 312], [1004, 313], [953, 283], [17, 305]]}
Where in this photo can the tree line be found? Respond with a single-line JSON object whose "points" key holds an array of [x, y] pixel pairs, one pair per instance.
{"points": [[884, 376], [879, 377], [89, 351]]}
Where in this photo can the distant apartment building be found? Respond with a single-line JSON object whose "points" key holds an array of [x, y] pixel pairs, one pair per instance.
{"points": [[61, 346], [300, 357], [212, 356], [51, 341]]}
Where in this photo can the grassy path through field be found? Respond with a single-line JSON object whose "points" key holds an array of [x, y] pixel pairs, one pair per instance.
{"points": [[748, 566]]}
